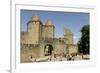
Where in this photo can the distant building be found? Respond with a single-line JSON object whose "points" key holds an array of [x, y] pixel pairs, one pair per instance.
{"points": [[39, 40]]}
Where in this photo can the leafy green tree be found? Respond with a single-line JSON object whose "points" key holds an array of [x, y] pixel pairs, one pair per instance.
{"points": [[84, 43]]}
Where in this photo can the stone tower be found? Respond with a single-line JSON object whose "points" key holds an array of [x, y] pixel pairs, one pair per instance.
{"points": [[35, 30], [68, 36], [48, 30]]}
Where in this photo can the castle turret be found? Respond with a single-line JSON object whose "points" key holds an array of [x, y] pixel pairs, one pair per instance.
{"points": [[34, 29], [48, 30], [35, 18], [68, 36], [49, 23]]}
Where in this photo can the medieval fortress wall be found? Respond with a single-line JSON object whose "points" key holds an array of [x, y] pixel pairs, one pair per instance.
{"points": [[40, 40]]}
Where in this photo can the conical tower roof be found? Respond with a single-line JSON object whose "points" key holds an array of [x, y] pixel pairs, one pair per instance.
{"points": [[67, 31], [49, 22], [35, 18]]}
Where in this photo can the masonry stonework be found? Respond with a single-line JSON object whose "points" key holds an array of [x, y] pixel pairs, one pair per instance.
{"points": [[39, 40]]}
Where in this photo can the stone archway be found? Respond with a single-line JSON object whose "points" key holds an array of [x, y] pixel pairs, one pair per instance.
{"points": [[48, 50]]}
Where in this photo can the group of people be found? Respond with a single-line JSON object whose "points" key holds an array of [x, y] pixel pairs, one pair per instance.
{"points": [[56, 57]]}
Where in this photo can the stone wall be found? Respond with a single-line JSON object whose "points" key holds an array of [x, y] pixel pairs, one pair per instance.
{"points": [[73, 49], [37, 36], [59, 47], [29, 50]]}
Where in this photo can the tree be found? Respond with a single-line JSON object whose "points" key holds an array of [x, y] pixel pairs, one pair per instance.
{"points": [[84, 42]]}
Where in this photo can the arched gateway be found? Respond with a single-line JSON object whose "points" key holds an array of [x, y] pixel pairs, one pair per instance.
{"points": [[48, 50]]}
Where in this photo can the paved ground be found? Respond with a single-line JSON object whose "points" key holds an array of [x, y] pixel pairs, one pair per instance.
{"points": [[60, 58]]}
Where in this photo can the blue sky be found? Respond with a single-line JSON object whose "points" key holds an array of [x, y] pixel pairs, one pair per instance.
{"points": [[71, 20]]}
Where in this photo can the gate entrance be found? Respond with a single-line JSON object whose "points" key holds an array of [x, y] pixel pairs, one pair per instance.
{"points": [[48, 50]]}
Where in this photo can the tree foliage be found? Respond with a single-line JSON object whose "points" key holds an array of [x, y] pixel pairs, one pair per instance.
{"points": [[84, 43]]}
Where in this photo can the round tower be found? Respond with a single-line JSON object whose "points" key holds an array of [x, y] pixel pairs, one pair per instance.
{"points": [[68, 36], [34, 28], [49, 30]]}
